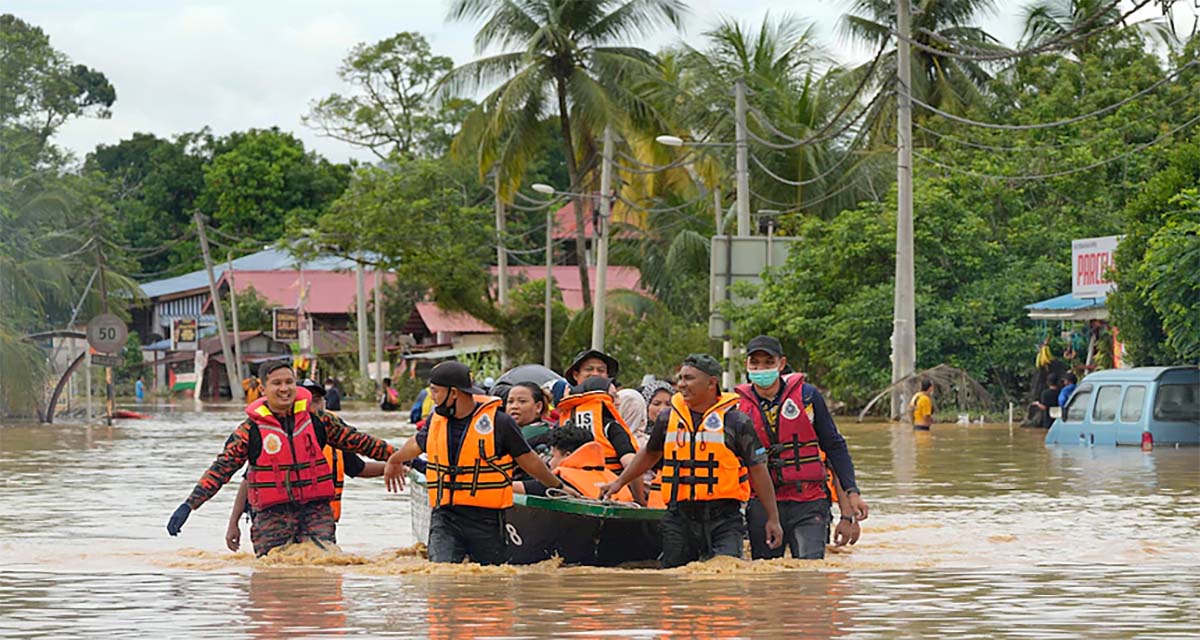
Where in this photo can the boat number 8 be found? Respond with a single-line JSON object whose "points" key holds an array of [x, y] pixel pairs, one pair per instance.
{"points": [[513, 536]]}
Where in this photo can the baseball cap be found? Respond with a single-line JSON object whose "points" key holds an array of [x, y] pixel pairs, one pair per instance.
{"points": [[704, 362], [455, 375], [766, 344]]}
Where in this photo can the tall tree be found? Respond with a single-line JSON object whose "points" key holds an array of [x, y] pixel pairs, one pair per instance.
{"points": [[569, 56]]}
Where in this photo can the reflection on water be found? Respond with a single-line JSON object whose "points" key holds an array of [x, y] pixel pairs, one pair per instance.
{"points": [[975, 531]]}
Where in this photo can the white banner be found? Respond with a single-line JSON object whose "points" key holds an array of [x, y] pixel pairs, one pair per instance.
{"points": [[1091, 259]]}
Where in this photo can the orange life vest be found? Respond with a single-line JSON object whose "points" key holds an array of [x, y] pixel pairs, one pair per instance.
{"points": [[696, 463], [337, 462], [587, 411], [289, 467], [479, 478], [584, 469]]}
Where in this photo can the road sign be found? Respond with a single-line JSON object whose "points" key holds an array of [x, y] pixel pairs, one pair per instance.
{"points": [[740, 259], [106, 333], [105, 360]]}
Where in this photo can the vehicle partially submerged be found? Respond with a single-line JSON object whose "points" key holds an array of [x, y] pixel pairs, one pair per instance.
{"points": [[1140, 406], [586, 532]]}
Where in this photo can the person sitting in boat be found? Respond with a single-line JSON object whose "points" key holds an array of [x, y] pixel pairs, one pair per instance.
{"points": [[711, 458], [291, 483], [791, 417], [389, 400], [657, 396], [578, 461], [591, 363], [526, 403], [343, 464], [591, 406], [472, 449]]}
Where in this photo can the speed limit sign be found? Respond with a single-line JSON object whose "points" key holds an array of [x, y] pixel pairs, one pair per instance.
{"points": [[106, 333]]}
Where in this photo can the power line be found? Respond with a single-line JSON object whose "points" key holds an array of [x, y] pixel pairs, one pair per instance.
{"points": [[1057, 174], [1058, 123], [820, 136]]}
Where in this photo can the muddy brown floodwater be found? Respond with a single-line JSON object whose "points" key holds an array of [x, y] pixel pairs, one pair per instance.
{"points": [[975, 531]]}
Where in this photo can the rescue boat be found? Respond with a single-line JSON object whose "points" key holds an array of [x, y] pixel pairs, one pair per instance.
{"points": [[580, 531]]}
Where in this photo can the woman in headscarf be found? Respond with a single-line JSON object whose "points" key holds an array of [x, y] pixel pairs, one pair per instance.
{"points": [[526, 403]]}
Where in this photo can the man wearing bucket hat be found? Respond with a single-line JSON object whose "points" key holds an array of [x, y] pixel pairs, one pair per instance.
{"points": [[472, 448], [711, 458], [592, 363]]}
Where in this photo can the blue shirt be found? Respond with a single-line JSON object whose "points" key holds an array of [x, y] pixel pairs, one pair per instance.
{"points": [[139, 390], [1065, 395]]}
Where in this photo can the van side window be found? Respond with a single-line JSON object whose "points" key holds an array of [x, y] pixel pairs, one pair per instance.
{"points": [[1107, 399], [1177, 403], [1131, 406], [1077, 406]]}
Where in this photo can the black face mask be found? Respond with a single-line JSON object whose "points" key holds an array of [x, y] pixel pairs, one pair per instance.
{"points": [[446, 409]]}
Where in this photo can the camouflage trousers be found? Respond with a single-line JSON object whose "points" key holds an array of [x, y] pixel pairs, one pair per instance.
{"points": [[288, 523]]}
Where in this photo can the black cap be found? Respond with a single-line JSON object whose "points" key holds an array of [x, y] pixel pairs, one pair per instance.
{"points": [[609, 361], [313, 387], [766, 344], [705, 363], [594, 383], [455, 375], [267, 367]]}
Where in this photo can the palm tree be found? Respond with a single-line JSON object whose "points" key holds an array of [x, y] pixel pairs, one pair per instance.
{"points": [[947, 83], [569, 57], [1048, 20]]}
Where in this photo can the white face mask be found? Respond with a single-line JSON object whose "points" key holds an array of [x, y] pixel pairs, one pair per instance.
{"points": [[328, 387]]}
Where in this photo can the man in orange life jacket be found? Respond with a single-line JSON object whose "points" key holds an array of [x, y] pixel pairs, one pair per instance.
{"points": [[790, 416], [290, 481], [472, 449], [590, 406], [711, 457], [342, 464]]}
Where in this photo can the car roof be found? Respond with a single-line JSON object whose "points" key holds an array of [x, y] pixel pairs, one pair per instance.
{"points": [[1142, 374]]}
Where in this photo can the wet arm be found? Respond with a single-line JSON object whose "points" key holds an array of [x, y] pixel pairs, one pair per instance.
{"points": [[345, 437], [832, 442], [534, 466], [231, 458]]}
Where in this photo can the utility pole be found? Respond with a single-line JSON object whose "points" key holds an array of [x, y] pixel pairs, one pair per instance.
{"points": [[548, 329], [378, 325], [109, 401], [599, 301], [501, 257], [237, 342], [235, 388], [904, 317], [743, 159], [360, 282]]}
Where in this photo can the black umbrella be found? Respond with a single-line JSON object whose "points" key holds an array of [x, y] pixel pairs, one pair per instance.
{"points": [[535, 373]]}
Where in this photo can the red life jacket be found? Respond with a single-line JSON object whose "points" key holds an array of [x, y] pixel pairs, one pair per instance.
{"points": [[290, 467], [793, 453]]}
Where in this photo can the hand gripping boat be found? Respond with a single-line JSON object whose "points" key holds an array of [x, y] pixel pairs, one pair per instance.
{"points": [[580, 531]]}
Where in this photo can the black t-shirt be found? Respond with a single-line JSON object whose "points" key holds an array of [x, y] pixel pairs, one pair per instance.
{"points": [[740, 436], [507, 433], [1050, 397], [333, 399]]}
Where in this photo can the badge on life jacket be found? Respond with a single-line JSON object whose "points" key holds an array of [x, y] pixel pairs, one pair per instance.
{"points": [[272, 444], [713, 423], [483, 425], [790, 410]]}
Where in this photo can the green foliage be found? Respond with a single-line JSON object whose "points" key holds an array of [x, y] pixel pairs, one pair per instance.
{"points": [[134, 365], [525, 318], [254, 311]]}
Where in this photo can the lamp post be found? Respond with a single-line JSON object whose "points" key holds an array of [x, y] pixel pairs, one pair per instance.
{"points": [[548, 328]]}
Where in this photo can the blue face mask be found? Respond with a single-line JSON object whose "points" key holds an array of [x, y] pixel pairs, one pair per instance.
{"points": [[763, 378]]}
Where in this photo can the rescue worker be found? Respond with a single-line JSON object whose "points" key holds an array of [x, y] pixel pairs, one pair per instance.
{"points": [[711, 458], [577, 460], [472, 449], [589, 363], [590, 406], [792, 420], [343, 464], [253, 388], [920, 407], [290, 481]]}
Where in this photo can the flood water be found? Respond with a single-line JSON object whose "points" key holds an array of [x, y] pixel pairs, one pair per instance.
{"points": [[975, 531]]}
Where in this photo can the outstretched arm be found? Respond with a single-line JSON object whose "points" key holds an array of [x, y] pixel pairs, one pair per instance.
{"points": [[342, 436], [641, 463], [233, 532], [393, 474]]}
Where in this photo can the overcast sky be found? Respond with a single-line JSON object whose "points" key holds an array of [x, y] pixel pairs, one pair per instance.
{"points": [[179, 65]]}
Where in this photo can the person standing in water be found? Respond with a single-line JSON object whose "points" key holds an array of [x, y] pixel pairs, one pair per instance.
{"points": [[711, 458], [290, 482], [792, 420], [472, 448], [921, 407]]}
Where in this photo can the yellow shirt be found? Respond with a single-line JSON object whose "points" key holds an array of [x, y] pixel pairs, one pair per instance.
{"points": [[922, 409]]}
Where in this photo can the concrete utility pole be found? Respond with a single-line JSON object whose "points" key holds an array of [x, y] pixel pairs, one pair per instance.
{"points": [[360, 283], [599, 301], [501, 258], [379, 330], [548, 329], [743, 159], [237, 343], [109, 399], [235, 387], [904, 317]]}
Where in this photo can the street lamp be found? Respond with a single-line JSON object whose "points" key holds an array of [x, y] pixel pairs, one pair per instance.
{"points": [[543, 188]]}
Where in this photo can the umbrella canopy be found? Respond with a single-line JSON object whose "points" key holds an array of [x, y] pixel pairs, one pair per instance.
{"points": [[535, 373]]}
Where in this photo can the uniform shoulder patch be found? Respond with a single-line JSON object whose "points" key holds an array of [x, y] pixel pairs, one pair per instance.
{"points": [[484, 425], [791, 410]]}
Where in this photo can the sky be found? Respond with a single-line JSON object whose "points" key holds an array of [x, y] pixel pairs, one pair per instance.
{"points": [[180, 65]]}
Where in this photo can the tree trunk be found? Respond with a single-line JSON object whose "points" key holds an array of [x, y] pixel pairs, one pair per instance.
{"points": [[564, 120]]}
